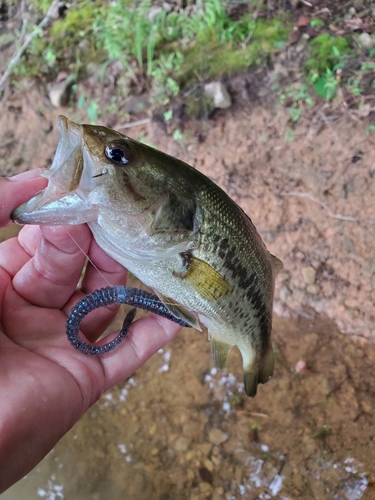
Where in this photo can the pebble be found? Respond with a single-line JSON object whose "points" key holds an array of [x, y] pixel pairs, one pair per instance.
{"points": [[309, 275], [366, 40], [58, 93], [284, 293], [182, 444], [217, 436], [219, 94], [301, 366], [312, 289]]}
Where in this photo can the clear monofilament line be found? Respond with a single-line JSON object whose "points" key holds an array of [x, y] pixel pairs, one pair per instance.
{"points": [[105, 297]]}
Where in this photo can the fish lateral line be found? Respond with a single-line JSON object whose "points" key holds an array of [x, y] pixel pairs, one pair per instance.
{"points": [[113, 295]]}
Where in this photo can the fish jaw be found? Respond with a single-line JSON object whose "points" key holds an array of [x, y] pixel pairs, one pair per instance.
{"points": [[66, 199]]}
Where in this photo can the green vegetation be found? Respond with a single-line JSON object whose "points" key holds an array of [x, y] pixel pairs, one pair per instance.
{"points": [[170, 49], [327, 55], [326, 52], [164, 50]]}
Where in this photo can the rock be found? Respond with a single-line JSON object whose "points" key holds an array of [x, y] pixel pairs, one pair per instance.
{"points": [[312, 289], [59, 92], [366, 41], [284, 293], [182, 444], [154, 11], [218, 92], [301, 366], [309, 275], [217, 436]]}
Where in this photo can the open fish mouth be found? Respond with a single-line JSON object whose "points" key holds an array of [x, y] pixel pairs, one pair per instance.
{"points": [[64, 200]]}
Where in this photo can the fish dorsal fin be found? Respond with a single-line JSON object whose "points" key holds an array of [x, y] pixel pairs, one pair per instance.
{"points": [[220, 352], [204, 279], [276, 264], [179, 311]]}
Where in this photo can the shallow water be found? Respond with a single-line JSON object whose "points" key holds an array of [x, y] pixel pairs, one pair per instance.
{"points": [[181, 429]]}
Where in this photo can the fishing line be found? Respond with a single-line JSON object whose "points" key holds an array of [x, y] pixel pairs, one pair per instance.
{"points": [[90, 261]]}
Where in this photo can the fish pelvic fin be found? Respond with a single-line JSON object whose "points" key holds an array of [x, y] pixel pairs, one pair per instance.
{"points": [[179, 311], [258, 373], [276, 264], [220, 352]]}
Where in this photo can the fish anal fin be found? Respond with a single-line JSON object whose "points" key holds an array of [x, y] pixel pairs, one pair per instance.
{"points": [[251, 380], [276, 264], [258, 373], [179, 311], [266, 366], [204, 278], [220, 352]]}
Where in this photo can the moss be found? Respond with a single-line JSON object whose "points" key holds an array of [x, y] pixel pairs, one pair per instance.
{"points": [[215, 59], [326, 52]]}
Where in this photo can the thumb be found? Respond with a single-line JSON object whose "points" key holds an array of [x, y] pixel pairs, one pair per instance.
{"points": [[17, 190]]}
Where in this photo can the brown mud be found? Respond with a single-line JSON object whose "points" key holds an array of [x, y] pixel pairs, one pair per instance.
{"points": [[179, 430]]}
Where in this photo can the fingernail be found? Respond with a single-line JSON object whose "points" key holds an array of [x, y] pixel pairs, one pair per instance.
{"points": [[30, 174]]}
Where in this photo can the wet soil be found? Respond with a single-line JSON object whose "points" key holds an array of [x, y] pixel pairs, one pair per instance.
{"points": [[179, 429]]}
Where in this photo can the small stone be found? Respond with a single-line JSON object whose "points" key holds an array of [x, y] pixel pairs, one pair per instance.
{"points": [[154, 12], [190, 474], [59, 92], [301, 366], [182, 444], [309, 275], [205, 489], [312, 289], [284, 293], [366, 41], [219, 94], [217, 436], [348, 245], [209, 465]]}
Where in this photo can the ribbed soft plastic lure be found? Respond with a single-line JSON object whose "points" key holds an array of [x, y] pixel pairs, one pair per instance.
{"points": [[105, 297]]}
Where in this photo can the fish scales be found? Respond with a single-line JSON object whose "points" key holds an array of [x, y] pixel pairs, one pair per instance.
{"points": [[174, 229]]}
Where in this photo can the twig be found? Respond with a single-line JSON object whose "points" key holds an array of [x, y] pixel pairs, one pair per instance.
{"points": [[18, 54], [134, 124], [326, 207]]}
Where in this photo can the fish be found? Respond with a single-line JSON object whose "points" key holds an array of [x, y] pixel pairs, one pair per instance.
{"points": [[174, 229]]}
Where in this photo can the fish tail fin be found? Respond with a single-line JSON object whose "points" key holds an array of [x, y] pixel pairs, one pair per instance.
{"points": [[258, 373]]}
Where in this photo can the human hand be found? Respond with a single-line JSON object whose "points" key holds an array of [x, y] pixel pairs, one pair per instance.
{"points": [[46, 385]]}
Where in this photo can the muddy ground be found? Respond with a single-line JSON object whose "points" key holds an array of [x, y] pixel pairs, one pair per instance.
{"points": [[179, 430]]}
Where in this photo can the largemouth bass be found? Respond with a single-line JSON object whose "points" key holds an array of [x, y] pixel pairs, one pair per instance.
{"points": [[174, 229]]}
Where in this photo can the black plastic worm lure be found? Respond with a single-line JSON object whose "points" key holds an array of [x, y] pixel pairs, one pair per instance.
{"points": [[105, 297]]}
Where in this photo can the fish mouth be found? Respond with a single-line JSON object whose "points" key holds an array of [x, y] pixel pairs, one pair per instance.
{"points": [[63, 201]]}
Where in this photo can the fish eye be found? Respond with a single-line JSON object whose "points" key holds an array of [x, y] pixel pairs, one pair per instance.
{"points": [[118, 153]]}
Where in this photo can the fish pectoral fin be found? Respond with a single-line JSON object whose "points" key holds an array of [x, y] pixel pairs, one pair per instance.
{"points": [[258, 373], [175, 214], [179, 311], [204, 278], [276, 264], [220, 352]]}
